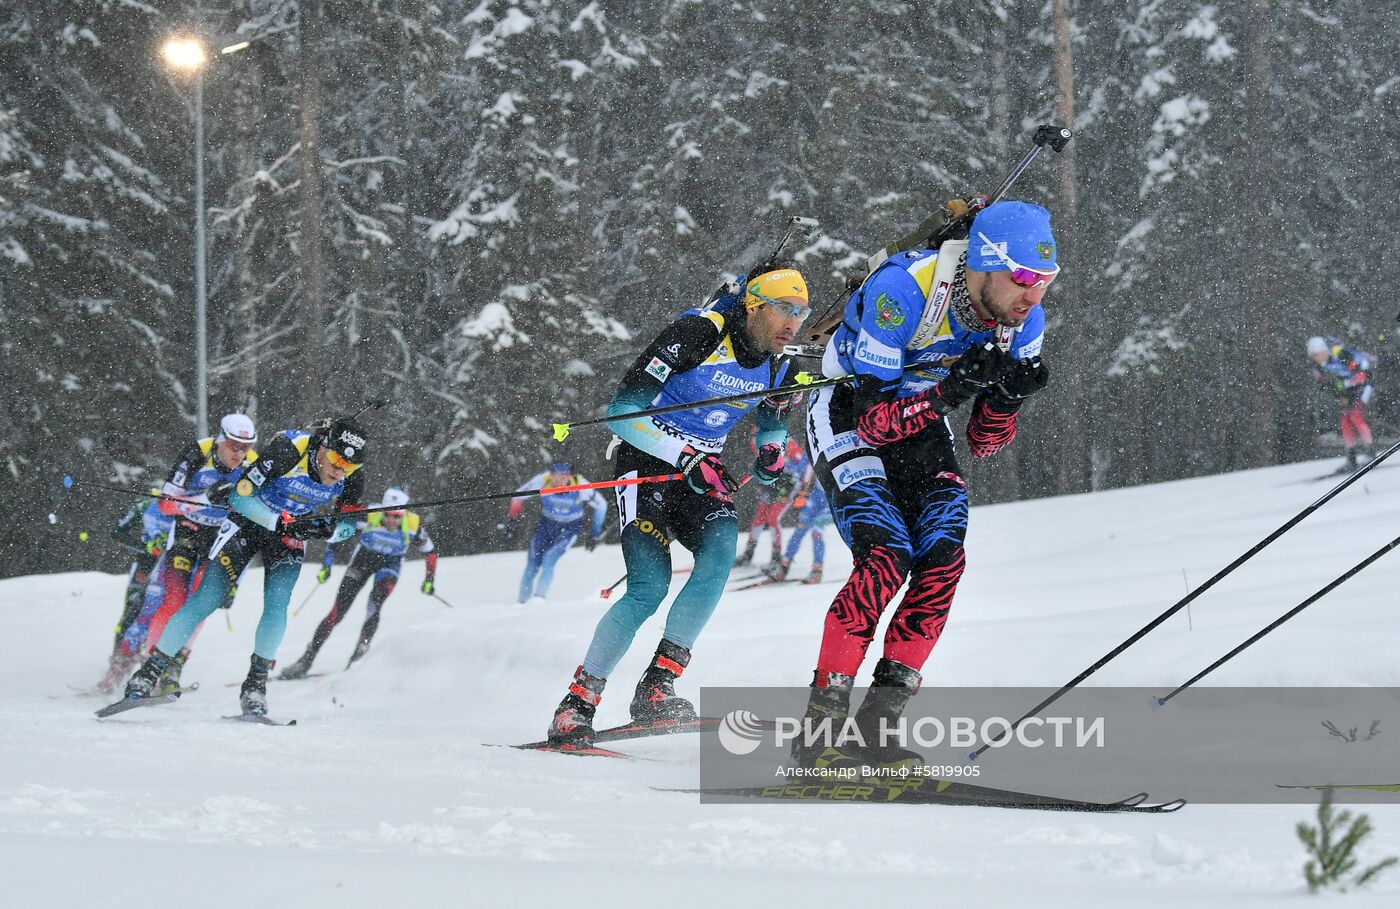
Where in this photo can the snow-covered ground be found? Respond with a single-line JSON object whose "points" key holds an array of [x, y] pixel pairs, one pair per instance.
{"points": [[384, 795]]}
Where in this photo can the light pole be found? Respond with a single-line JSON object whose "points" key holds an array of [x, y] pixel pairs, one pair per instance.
{"points": [[188, 55]]}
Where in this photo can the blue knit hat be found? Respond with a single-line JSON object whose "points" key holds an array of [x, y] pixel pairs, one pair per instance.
{"points": [[1021, 229]]}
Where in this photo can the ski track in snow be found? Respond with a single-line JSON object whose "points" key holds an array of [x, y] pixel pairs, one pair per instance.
{"points": [[384, 794]]}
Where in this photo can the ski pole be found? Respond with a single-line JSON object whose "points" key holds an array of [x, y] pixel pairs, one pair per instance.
{"points": [[1357, 569], [794, 224], [443, 602], [297, 611], [607, 591], [802, 382], [374, 404], [1184, 601], [519, 494], [69, 483]]}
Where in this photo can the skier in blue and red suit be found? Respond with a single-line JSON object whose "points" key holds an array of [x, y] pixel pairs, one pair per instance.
{"points": [[146, 532], [813, 513], [1348, 372], [201, 464], [928, 331], [732, 347]]}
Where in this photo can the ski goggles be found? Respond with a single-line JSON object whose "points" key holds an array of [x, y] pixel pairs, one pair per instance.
{"points": [[1022, 275], [339, 461], [791, 310]]}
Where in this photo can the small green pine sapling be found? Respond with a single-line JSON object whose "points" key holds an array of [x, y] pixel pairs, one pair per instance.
{"points": [[1332, 846]]}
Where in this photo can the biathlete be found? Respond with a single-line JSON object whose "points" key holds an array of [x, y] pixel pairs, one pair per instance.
{"points": [[296, 473], [732, 346], [378, 556], [201, 465], [561, 522]]}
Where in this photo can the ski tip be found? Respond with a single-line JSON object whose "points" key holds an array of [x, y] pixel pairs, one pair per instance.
{"points": [[67, 482], [561, 431], [803, 378]]}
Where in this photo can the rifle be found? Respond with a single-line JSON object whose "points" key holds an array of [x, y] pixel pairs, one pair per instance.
{"points": [[944, 224]]}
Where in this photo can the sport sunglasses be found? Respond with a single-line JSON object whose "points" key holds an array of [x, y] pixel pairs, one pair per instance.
{"points": [[792, 310], [1020, 274], [339, 461]]}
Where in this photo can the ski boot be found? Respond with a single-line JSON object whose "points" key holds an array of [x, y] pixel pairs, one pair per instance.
{"points": [[746, 557], [143, 683], [361, 648], [1364, 456], [656, 699], [828, 708], [117, 668], [252, 697], [300, 668], [778, 569], [169, 682], [814, 576], [572, 726], [890, 690]]}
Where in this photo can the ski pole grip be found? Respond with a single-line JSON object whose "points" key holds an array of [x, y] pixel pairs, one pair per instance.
{"points": [[1057, 137]]}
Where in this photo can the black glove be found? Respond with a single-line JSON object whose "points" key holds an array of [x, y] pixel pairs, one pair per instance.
{"points": [[1025, 379], [981, 366], [509, 529], [589, 542], [218, 493], [311, 527]]}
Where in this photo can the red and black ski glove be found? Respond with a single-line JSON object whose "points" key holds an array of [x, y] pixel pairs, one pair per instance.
{"points": [[705, 474], [890, 421]]}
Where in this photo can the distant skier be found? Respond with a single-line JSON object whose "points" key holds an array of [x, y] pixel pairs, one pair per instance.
{"points": [[384, 540], [773, 502], [1347, 372], [733, 346], [561, 521], [967, 316], [200, 465], [146, 532], [297, 472], [813, 512]]}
